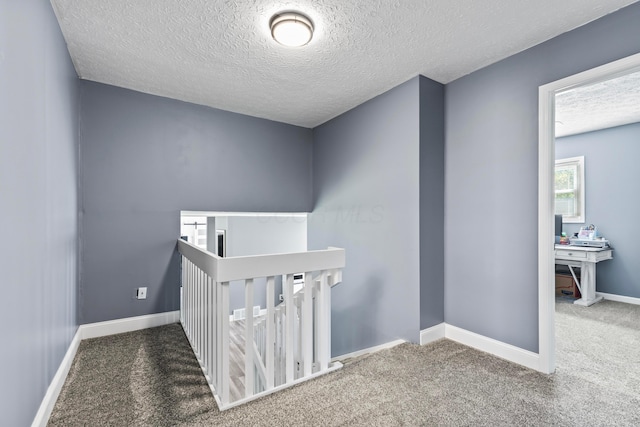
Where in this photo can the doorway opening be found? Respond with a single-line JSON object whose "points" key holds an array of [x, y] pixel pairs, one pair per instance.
{"points": [[194, 229], [546, 195]]}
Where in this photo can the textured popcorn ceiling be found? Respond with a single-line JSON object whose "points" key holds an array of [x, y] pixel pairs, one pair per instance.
{"points": [[614, 102], [220, 53]]}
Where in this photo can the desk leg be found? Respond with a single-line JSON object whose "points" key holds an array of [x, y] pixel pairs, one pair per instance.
{"points": [[588, 284]]}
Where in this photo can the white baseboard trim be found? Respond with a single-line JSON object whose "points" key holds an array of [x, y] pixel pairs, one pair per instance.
{"points": [[367, 350], [51, 396], [619, 298], [470, 339], [432, 334], [129, 324], [497, 348]]}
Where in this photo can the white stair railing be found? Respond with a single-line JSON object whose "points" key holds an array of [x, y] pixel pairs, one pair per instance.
{"points": [[288, 345]]}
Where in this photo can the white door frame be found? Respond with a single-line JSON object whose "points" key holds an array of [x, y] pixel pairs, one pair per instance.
{"points": [[546, 162]]}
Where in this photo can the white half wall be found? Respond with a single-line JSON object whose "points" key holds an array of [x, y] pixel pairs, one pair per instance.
{"points": [[263, 235]]}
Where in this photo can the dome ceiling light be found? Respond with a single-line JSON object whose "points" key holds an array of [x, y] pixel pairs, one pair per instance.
{"points": [[291, 29]]}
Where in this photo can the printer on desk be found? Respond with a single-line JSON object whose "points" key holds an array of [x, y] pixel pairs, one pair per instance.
{"points": [[589, 236]]}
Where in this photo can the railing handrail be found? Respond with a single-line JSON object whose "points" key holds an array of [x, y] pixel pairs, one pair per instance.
{"points": [[247, 267], [203, 259], [292, 343]]}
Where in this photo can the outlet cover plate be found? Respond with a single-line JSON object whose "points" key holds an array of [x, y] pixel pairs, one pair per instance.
{"points": [[141, 293]]}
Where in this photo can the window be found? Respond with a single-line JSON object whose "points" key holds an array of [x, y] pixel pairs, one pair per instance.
{"points": [[569, 189]]}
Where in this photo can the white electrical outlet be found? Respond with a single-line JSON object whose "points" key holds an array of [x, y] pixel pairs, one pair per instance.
{"points": [[141, 293]]}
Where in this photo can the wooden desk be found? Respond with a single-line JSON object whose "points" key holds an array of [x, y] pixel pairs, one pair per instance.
{"points": [[585, 258]]}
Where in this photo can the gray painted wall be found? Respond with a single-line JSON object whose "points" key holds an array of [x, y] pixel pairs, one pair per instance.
{"points": [[431, 203], [366, 188], [143, 159], [261, 235], [491, 168], [612, 180], [38, 205]]}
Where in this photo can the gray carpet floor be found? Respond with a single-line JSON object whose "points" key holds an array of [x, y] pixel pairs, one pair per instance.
{"points": [[151, 378]]}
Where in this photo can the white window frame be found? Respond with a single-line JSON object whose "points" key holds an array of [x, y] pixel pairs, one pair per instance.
{"points": [[580, 188]]}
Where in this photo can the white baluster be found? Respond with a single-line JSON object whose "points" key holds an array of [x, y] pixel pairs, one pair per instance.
{"points": [[203, 313], [199, 312], [187, 292], [223, 321], [278, 354], [188, 305], [203, 323], [270, 339], [183, 315], [297, 299], [191, 306], [289, 326], [182, 290], [211, 336], [218, 337], [189, 302], [248, 338], [195, 312], [324, 324], [207, 322], [307, 325], [316, 319]]}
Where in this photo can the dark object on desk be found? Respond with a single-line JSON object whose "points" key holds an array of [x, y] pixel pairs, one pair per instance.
{"points": [[558, 222]]}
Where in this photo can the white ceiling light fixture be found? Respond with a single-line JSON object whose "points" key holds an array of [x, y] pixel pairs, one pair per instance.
{"points": [[291, 29]]}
